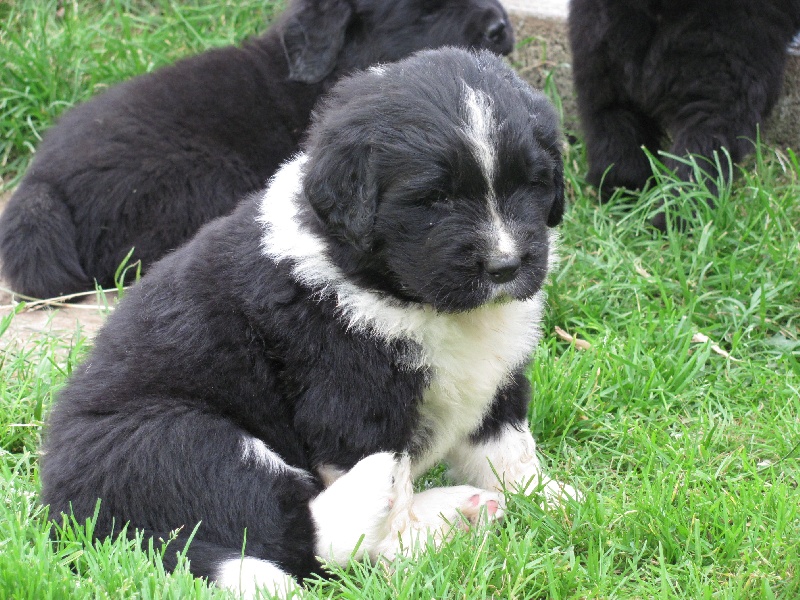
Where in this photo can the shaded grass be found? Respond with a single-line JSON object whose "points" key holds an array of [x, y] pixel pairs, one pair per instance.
{"points": [[688, 459]]}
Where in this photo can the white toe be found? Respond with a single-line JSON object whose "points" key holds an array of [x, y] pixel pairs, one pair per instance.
{"points": [[246, 576]]}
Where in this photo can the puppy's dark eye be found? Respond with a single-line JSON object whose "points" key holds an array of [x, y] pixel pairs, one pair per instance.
{"points": [[541, 181], [538, 184]]}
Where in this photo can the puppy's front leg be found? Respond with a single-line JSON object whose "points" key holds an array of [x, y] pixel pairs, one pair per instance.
{"points": [[502, 453], [507, 459]]}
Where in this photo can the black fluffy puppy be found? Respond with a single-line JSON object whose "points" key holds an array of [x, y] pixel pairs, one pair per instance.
{"points": [[289, 370], [704, 72], [145, 164]]}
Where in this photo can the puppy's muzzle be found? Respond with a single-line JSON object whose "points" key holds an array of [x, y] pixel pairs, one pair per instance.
{"points": [[499, 35], [497, 32]]}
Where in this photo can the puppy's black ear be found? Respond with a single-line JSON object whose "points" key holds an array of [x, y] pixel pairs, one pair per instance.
{"points": [[312, 37], [342, 189], [557, 209]]}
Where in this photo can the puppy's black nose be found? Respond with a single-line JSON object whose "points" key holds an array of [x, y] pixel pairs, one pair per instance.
{"points": [[502, 269], [497, 32]]}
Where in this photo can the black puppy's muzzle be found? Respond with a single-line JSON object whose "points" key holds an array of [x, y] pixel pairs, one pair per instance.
{"points": [[499, 36]]}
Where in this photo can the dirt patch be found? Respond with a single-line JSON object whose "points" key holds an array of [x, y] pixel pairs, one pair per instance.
{"points": [[543, 59], [61, 321]]}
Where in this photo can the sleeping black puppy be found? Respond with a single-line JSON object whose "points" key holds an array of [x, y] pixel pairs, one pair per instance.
{"points": [[145, 164], [284, 375], [705, 73]]}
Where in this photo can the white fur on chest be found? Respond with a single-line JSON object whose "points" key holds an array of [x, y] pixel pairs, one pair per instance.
{"points": [[469, 355]]}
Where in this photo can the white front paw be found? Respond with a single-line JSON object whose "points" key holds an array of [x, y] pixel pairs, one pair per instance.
{"points": [[508, 462], [556, 493]]}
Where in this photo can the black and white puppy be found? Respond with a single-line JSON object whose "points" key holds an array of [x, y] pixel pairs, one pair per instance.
{"points": [[282, 377], [705, 73], [145, 164]]}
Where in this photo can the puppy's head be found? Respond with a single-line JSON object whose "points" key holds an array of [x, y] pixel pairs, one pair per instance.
{"points": [[437, 179], [321, 37]]}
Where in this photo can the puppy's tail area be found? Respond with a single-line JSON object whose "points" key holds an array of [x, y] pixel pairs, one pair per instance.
{"points": [[38, 244], [226, 567]]}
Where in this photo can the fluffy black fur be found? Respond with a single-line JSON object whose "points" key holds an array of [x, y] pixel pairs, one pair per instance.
{"points": [[148, 162], [705, 73], [219, 340]]}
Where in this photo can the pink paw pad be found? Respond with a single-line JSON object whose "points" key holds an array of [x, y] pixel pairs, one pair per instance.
{"points": [[492, 506]]}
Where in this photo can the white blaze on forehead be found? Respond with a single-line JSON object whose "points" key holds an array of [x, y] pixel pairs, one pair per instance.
{"points": [[481, 130]]}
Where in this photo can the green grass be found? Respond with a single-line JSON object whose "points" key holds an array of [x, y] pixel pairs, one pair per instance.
{"points": [[55, 54], [688, 459]]}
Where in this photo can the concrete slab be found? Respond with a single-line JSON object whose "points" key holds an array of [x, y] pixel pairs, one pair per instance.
{"points": [[538, 8], [543, 58]]}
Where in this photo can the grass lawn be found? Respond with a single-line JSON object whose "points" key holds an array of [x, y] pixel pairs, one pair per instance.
{"points": [[687, 450]]}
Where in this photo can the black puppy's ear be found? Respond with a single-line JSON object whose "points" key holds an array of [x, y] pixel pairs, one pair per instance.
{"points": [[312, 37], [342, 189], [557, 209]]}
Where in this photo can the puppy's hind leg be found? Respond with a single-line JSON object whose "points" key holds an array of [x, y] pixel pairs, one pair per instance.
{"points": [[372, 511], [703, 136], [247, 577], [508, 459], [169, 467], [614, 140], [355, 514]]}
